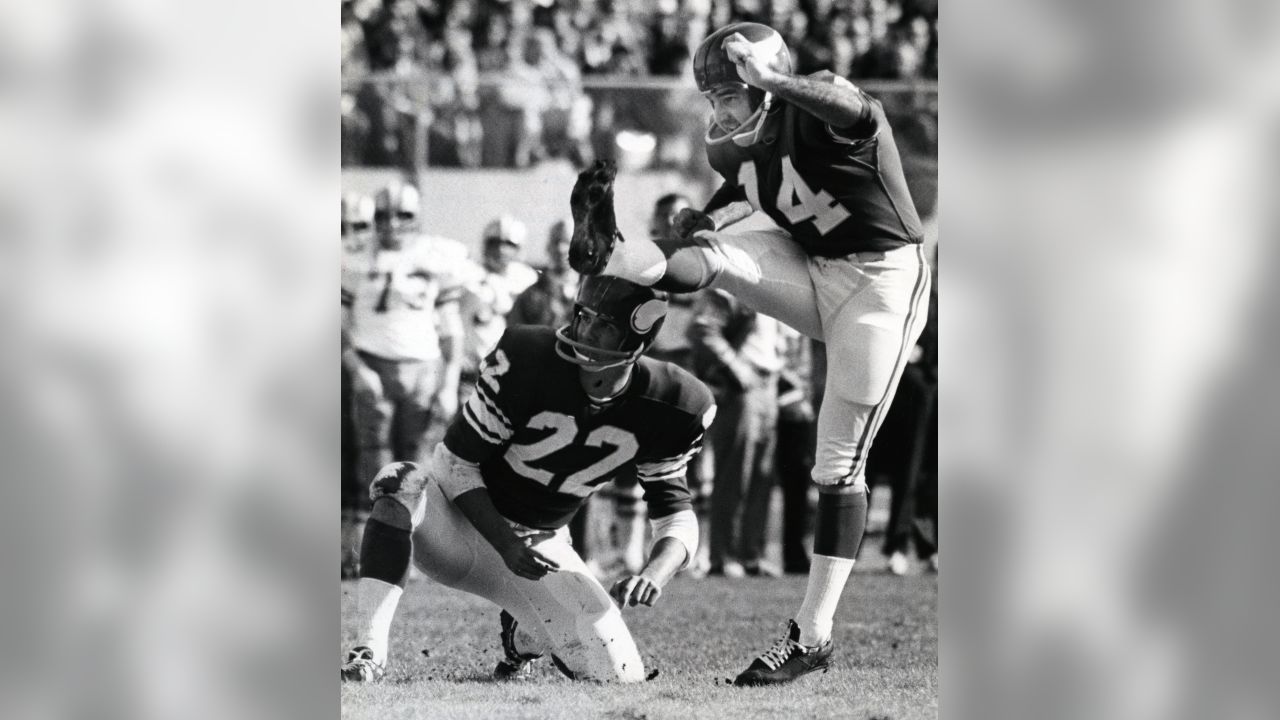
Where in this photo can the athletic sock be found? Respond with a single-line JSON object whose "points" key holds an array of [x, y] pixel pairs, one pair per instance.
{"points": [[377, 606], [691, 265], [827, 577], [841, 520], [637, 260]]}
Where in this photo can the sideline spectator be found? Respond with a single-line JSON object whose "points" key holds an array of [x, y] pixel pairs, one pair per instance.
{"points": [[456, 134], [907, 453], [546, 87], [736, 352], [794, 458]]}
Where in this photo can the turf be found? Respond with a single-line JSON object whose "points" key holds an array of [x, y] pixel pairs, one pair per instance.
{"points": [[702, 633]]}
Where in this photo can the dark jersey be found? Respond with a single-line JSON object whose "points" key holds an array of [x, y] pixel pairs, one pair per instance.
{"points": [[836, 191], [543, 449]]}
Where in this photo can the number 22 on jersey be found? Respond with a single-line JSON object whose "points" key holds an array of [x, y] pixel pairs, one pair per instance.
{"points": [[796, 201], [622, 443]]}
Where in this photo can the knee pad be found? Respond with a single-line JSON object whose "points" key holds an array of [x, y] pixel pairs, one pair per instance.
{"points": [[403, 482]]}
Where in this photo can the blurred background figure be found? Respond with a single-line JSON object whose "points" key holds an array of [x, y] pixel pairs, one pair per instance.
{"points": [[456, 134], [507, 84], [549, 300], [357, 243], [795, 449], [402, 337], [546, 87], [492, 293], [674, 345], [906, 455], [736, 353]]}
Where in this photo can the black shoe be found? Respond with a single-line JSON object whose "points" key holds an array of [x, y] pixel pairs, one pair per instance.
{"points": [[594, 226], [361, 667], [786, 661], [516, 665]]}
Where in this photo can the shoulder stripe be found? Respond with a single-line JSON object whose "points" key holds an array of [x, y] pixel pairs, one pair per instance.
{"points": [[491, 405], [483, 424], [668, 468]]}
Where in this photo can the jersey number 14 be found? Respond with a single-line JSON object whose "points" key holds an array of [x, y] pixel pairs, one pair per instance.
{"points": [[796, 201]]}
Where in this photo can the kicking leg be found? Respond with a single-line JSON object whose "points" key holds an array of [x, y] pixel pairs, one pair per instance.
{"points": [[765, 269]]}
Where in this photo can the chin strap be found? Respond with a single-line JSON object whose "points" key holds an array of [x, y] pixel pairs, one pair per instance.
{"points": [[741, 137]]}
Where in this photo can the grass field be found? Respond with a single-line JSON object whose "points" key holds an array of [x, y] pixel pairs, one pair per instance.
{"points": [[703, 632]]}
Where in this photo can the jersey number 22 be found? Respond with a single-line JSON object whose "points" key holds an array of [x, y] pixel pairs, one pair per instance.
{"points": [[622, 442]]}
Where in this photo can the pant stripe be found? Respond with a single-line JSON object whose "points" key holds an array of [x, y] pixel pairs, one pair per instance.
{"points": [[904, 352]]}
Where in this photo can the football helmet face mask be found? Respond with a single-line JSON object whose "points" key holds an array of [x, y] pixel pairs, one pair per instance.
{"points": [[614, 322], [396, 209], [712, 69]]}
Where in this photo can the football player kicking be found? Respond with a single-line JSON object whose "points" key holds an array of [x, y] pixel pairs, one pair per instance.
{"points": [[846, 266], [555, 415]]}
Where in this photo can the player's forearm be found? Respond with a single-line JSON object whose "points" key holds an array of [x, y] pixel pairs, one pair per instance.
{"points": [[727, 193], [731, 213], [836, 103], [668, 556], [478, 508]]}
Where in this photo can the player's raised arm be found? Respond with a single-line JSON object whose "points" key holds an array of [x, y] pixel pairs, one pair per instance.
{"points": [[826, 96]]}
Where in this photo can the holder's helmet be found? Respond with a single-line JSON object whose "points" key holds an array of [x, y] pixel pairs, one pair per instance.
{"points": [[614, 321], [713, 68]]}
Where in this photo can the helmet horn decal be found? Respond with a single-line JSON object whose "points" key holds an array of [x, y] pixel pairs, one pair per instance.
{"points": [[644, 316]]}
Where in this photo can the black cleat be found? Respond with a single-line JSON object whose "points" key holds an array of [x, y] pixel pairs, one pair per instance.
{"points": [[786, 661], [516, 665], [594, 226], [361, 667]]}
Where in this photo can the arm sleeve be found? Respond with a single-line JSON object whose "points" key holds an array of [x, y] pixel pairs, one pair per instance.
{"points": [[864, 128], [728, 192], [683, 527], [666, 491]]}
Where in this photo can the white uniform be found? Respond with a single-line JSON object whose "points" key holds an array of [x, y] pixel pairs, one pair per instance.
{"points": [[485, 305], [393, 296]]}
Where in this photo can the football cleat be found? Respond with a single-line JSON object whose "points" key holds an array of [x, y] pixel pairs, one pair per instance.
{"points": [[594, 226], [516, 665], [361, 667], [786, 661]]}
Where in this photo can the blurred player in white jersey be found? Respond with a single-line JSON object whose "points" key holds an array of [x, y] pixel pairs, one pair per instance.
{"points": [[357, 243], [492, 293], [556, 415], [402, 333]]}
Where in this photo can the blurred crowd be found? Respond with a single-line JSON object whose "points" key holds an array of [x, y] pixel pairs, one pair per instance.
{"points": [[419, 314], [499, 83]]}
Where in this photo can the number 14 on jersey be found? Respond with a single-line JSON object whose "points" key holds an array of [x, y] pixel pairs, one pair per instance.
{"points": [[796, 201]]}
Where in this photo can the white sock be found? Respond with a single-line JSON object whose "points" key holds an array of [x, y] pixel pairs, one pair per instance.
{"points": [[377, 606], [636, 259], [827, 576]]}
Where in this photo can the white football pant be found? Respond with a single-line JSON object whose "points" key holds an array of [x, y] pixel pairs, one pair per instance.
{"points": [[869, 308], [567, 612]]}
